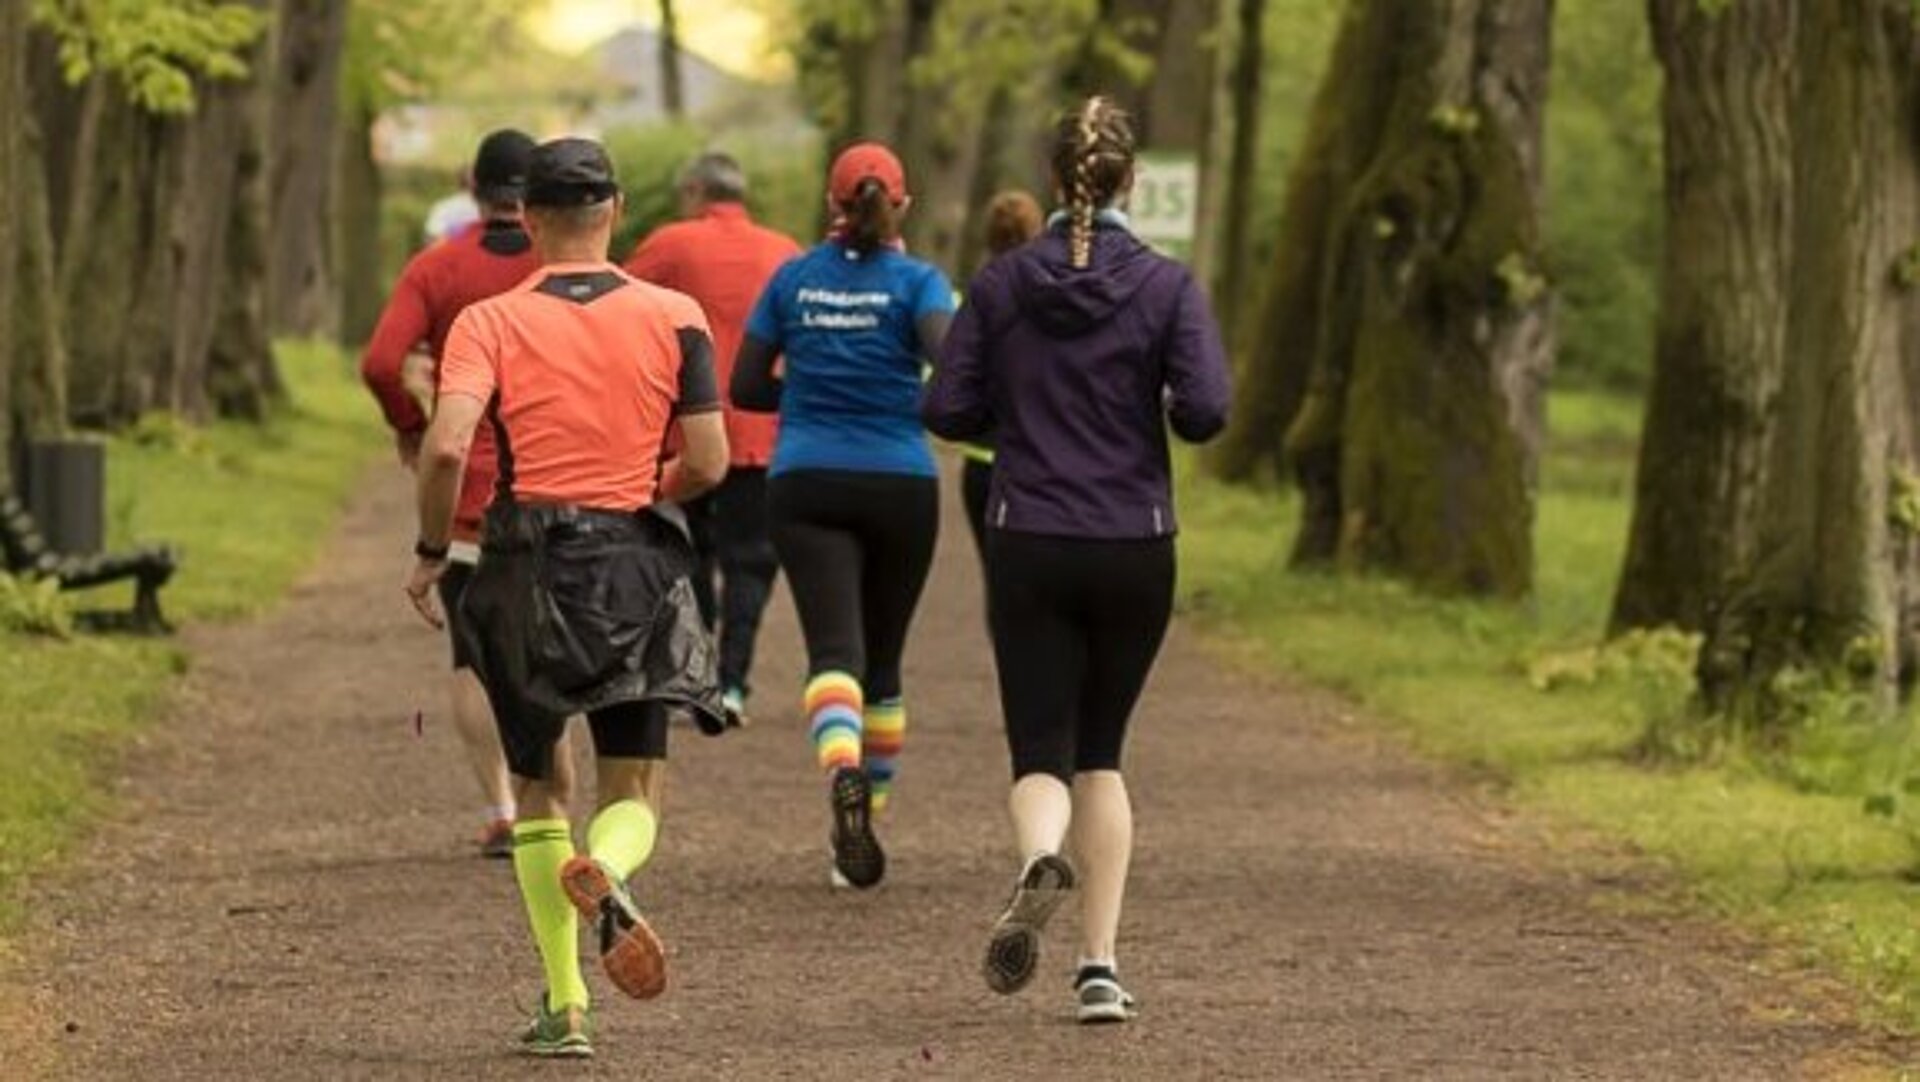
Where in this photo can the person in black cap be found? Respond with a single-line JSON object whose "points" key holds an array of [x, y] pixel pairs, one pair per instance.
{"points": [[583, 600], [400, 367]]}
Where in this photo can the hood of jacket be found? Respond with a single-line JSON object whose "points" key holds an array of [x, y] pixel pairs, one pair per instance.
{"points": [[1068, 301]]}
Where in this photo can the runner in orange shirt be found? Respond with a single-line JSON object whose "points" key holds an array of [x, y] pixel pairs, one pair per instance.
{"points": [[582, 601], [721, 258]]}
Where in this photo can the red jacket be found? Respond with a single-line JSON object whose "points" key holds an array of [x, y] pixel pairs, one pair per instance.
{"points": [[722, 260], [483, 260]]}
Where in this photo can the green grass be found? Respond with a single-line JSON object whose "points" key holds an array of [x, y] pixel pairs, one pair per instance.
{"points": [[1781, 842], [248, 507]]}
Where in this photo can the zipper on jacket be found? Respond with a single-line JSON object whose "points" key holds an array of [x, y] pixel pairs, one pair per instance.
{"points": [[1159, 526], [1000, 519]]}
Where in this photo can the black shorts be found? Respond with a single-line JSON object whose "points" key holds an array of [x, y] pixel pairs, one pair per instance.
{"points": [[453, 585], [575, 611]]}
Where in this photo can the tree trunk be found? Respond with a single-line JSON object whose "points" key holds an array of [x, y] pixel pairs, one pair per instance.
{"points": [[1214, 155], [1832, 585], [1348, 118], [242, 377], [672, 88], [41, 380], [358, 193], [301, 288], [1421, 428], [1175, 102], [989, 173], [1721, 351], [1231, 281], [13, 106]]}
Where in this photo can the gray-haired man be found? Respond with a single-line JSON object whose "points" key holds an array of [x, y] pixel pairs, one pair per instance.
{"points": [[718, 256]]}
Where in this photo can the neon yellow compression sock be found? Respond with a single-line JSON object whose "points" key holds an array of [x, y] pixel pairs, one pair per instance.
{"points": [[540, 847], [622, 835]]}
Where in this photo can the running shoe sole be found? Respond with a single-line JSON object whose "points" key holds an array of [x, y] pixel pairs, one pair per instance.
{"points": [[856, 852], [1013, 953], [629, 951]]}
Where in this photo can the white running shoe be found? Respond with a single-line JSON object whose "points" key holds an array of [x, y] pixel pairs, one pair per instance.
{"points": [[1102, 1000]]}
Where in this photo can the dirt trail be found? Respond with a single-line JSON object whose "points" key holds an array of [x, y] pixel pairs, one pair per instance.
{"points": [[291, 894]]}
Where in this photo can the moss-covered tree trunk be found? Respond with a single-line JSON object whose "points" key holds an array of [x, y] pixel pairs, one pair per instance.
{"points": [[1832, 587], [1430, 321], [1725, 295], [1349, 112]]}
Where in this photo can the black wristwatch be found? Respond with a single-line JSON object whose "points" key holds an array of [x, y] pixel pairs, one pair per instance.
{"points": [[432, 553]]}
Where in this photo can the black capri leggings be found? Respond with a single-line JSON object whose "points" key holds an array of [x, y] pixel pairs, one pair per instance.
{"points": [[856, 548], [1077, 625]]}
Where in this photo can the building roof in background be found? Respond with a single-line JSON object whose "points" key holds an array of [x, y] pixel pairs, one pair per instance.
{"points": [[630, 60]]}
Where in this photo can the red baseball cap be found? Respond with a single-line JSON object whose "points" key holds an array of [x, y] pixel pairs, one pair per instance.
{"points": [[864, 161]]}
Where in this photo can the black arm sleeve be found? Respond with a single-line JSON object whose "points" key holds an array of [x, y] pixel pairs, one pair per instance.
{"points": [[755, 387], [699, 384], [932, 329]]}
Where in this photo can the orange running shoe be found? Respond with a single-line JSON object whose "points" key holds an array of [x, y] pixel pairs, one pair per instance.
{"points": [[629, 951]]}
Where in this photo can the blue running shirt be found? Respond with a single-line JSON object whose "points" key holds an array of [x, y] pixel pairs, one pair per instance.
{"points": [[848, 327]]}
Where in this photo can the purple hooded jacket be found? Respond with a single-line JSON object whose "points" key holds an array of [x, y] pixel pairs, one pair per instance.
{"points": [[1075, 374]]}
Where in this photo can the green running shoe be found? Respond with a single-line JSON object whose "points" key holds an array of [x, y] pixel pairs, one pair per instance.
{"points": [[563, 1034]]}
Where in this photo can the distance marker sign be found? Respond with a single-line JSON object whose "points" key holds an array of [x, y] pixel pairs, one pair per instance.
{"points": [[1165, 206]]}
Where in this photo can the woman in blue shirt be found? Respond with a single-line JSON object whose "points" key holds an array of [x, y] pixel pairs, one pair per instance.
{"points": [[853, 495]]}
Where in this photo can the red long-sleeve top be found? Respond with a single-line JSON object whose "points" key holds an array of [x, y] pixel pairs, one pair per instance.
{"points": [[485, 260]]}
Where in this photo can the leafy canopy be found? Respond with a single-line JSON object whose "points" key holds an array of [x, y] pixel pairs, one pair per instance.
{"points": [[401, 51], [154, 48]]}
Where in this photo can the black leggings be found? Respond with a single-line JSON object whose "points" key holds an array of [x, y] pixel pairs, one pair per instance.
{"points": [[1077, 625], [730, 541], [976, 482], [856, 548]]}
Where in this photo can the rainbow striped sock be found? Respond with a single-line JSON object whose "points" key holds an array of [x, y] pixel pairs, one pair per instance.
{"points": [[884, 735], [833, 704]]}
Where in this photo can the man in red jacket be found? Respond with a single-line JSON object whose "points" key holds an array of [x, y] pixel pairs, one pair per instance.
{"points": [[485, 259], [721, 258]]}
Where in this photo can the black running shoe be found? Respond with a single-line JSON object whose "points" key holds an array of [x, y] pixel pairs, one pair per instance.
{"points": [[1014, 951], [1102, 1000], [856, 852]]}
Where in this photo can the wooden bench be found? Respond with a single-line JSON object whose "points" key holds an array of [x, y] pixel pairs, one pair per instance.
{"points": [[27, 554]]}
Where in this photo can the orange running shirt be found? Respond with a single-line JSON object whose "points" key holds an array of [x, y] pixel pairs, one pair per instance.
{"points": [[585, 367], [723, 260]]}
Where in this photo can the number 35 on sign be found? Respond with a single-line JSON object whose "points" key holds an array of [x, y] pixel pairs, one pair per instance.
{"points": [[1166, 201]]}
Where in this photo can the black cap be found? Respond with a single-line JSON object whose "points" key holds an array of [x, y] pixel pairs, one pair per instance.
{"points": [[570, 173], [500, 166]]}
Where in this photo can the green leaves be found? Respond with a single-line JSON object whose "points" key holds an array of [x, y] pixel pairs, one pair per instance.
{"points": [[406, 50], [154, 48], [34, 607]]}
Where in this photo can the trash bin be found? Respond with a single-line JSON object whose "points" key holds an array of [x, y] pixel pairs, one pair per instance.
{"points": [[65, 488]]}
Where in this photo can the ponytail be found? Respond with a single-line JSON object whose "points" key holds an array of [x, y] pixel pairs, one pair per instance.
{"points": [[872, 221], [1092, 163]]}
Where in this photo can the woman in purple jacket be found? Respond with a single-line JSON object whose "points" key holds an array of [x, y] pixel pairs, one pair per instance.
{"points": [[1076, 352]]}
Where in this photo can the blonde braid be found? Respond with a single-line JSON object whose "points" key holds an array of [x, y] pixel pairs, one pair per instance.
{"points": [[1080, 199]]}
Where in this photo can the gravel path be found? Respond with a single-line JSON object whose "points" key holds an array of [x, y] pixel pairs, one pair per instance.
{"points": [[291, 895]]}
